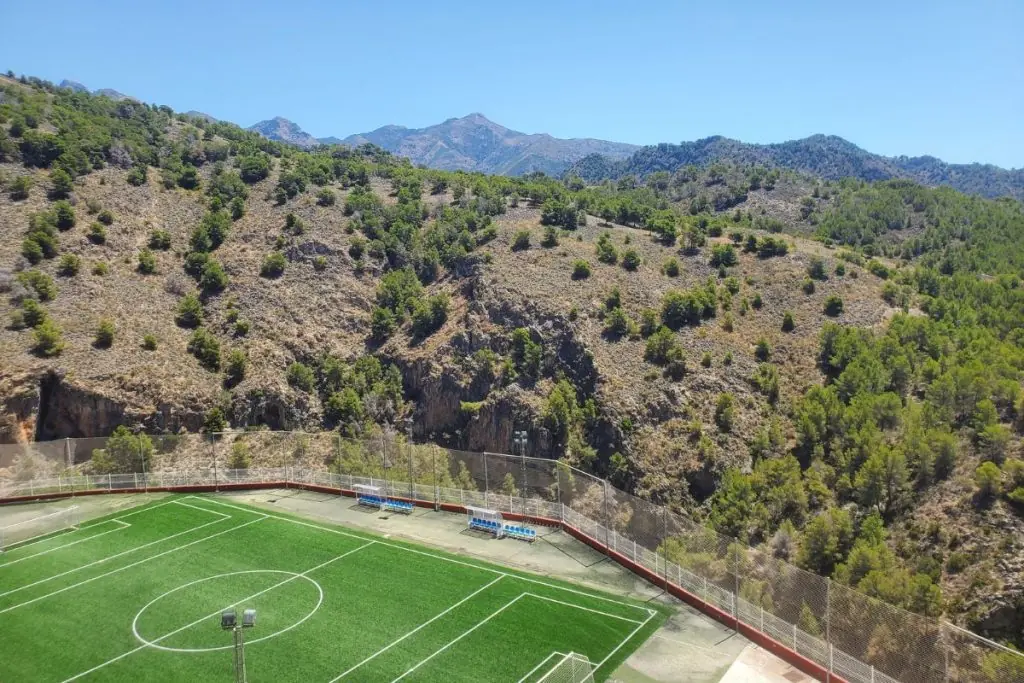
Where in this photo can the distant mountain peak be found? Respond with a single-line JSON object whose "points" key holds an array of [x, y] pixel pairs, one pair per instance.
{"points": [[283, 130], [73, 85]]}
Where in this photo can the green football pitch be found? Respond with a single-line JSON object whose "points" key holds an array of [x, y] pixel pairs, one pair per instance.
{"points": [[138, 596]]}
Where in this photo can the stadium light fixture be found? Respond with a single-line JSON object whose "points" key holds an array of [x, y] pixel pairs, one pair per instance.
{"points": [[229, 622]]}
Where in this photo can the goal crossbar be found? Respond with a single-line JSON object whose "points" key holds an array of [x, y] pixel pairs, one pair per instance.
{"points": [[569, 668], [28, 530]]}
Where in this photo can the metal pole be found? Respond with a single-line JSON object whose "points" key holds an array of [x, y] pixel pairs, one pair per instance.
{"points": [[213, 455], [607, 532], [408, 443], [437, 489], [828, 627], [239, 655]]}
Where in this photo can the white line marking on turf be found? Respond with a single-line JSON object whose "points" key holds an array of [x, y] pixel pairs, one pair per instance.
{"points": [[542, 663], [626, 640], [111, 557], [427, 554], [196, 507], [464, 634], [124, 525], [134, 564], [293, 575], [213, 614], [585, 609], [418, 628]]}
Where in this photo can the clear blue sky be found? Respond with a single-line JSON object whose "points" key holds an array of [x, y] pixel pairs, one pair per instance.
{"points": [[940, 77]]}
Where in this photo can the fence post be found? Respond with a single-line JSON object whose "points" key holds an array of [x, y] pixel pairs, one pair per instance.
{"points": [[487, 482], [828, 675], [437, 489], [828, 627], [794, 650], [607, 524], [110, 485], [558, 492], [408, 444], [762, 619]]}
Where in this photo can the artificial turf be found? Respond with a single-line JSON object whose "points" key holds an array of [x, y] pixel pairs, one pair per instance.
{"points": [[138, 595]]}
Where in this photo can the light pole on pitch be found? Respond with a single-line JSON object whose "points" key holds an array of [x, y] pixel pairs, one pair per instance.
{"points": [[229, 622], [519, 439]]}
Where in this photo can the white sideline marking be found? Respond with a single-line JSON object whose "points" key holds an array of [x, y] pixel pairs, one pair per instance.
{"points": [[418, 628], [134, 564], [585, 609], [428, 554], [130, 550], [111, 557], [464, 634], [124, 525], [625, 640], [542, 663], [213, 614]]}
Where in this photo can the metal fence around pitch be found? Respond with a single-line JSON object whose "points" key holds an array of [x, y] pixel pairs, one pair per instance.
{"points": [[846, 634]]}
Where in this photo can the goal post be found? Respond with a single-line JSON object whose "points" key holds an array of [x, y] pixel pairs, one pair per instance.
{"points": [[570, 668], [37, 528]]}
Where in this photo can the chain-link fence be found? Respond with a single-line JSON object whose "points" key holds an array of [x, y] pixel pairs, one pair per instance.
{"points": [[848, 634]]}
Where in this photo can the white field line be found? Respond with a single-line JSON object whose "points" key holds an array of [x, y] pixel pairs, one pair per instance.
{"points": [[624, 641], [213, 614], [428, 554], [542, 663], [39, 517], [585, 609], [89, 525], [464, 634], [124, 525], [135, 564], [417, 629], [196, 507]]}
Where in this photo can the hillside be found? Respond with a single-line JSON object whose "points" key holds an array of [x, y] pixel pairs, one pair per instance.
{"points": [[826, 157], [474, 143], [281, 129], [829, 370]]}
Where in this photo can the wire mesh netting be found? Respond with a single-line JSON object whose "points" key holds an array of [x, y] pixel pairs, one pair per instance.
{"points": [[570, 668], [848, 633]]}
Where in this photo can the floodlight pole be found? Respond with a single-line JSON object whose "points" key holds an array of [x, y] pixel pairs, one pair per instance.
{"points": [[239, 655], [520, 440]]}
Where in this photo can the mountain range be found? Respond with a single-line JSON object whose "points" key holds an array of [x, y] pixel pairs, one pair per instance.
{"points": [[475, 143]]}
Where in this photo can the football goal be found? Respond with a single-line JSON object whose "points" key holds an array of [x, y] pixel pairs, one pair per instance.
{"points": [[570, 668], [27, 530]]}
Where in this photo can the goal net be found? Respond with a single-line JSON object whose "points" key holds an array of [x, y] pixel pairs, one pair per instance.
{"points": [[570, 668], [25, 531]]}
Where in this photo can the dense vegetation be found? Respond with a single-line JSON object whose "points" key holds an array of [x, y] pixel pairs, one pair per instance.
{"points": [[898, 412]]}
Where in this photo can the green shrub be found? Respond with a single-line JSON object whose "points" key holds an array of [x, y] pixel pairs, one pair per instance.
{"points": [[382, 323], [649, 322], [816, 269], [60, 184], [190, 311], [20, 187], [878, 269], [101, 269], [195, 261], [39, 282], [105, 334], [97, 233], [64, 215], [757, 303], [840, 269], [205, 347], [580, 269], [32, 251], [234, 367], [325, 197], [69, 265], [617, 323], [763, 350], [300, 376], [606, 251], [32, 314], [705, 360], [137, 176], [521, 241], [160, 239], [808, 286], [241, 328], [670, 267], [428, 315], [237, 208], [48, 339], [319, 263], [833, 306], [105, 217], [149, 342], [725, 412], [239, 459], [147, 262], [631, 259], [550, 237], [273, 265], [723, 255], [787, 322], [214, 279], [662, 347], [987, 479]]}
